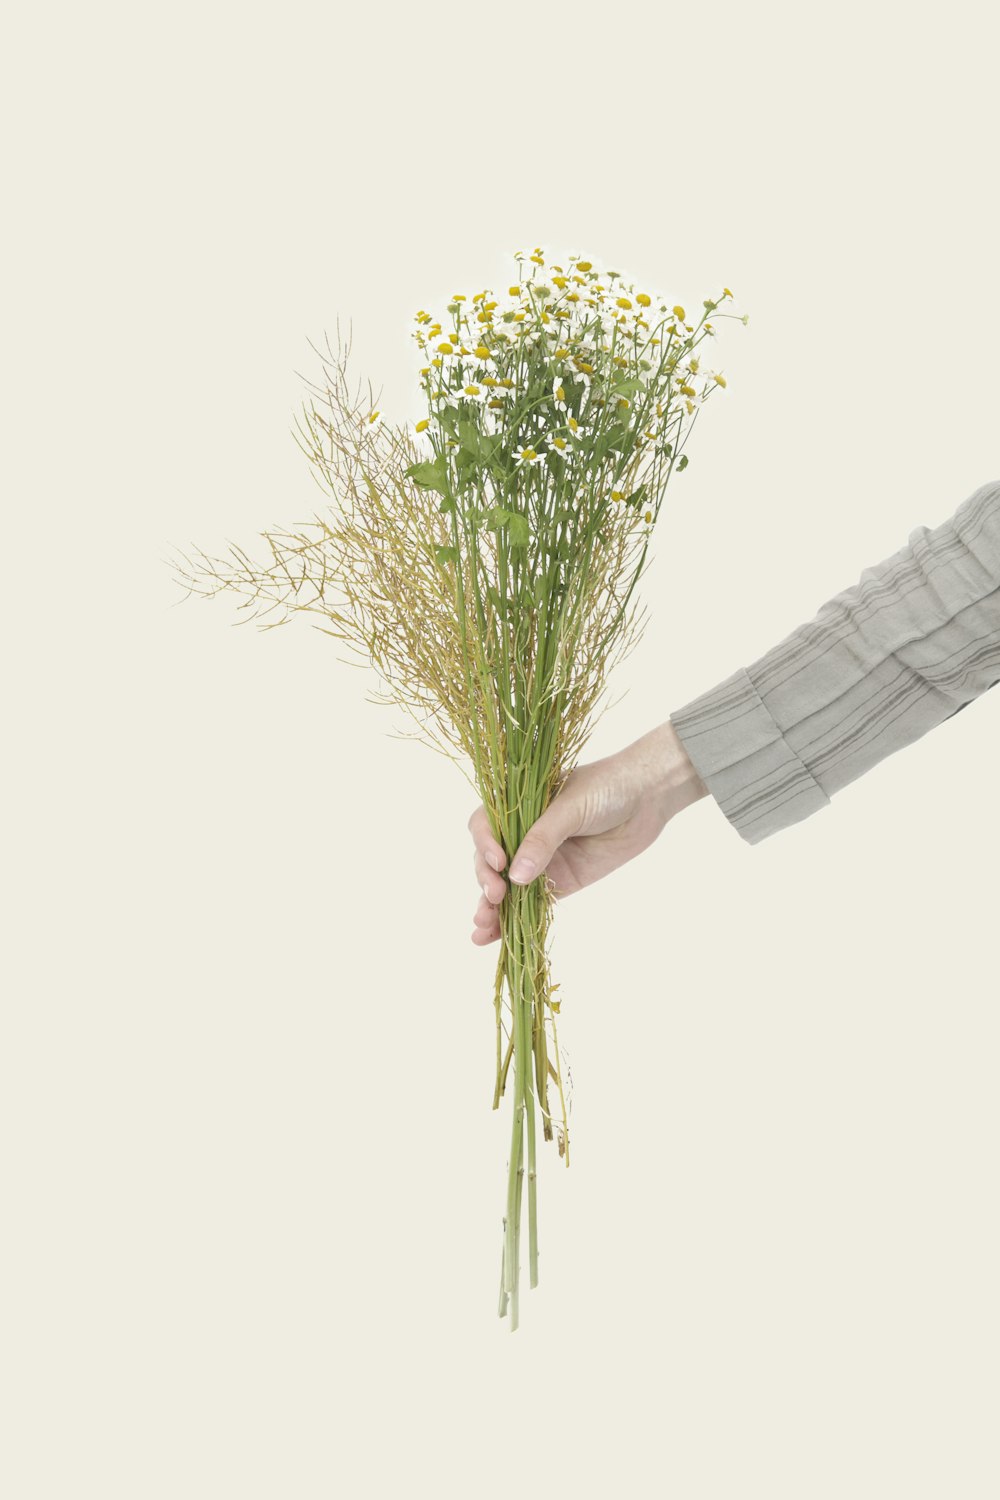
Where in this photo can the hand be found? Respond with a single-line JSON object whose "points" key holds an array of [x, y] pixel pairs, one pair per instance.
{"points": [[605, 814]]}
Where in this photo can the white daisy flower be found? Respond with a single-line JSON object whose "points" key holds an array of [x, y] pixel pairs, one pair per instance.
{"points": [[373, 421], [526, 455], [559, 393]]}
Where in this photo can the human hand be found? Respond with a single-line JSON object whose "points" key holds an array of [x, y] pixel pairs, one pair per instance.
{"points": [[605, 814]]}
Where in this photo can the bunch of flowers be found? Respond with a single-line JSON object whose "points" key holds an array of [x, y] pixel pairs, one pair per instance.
{"points": [[485, 563]]}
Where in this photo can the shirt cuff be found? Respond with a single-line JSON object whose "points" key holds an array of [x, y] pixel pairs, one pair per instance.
{"points": [[744, 759]]}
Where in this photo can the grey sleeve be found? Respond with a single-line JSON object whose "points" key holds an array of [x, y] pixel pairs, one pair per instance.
{"points": [[879, 665]]}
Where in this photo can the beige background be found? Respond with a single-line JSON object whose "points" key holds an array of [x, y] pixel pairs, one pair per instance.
{"points": [[251, 1181]]}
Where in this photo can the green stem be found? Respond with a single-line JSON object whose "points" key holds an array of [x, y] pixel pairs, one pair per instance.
{"points": [[529, 1095], [502, 1308], [515, 981], [515, 1296]]}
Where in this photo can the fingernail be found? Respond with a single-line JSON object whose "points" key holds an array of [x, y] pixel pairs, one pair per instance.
{"points": [[522, 870], [486, 893], [493, 859]]}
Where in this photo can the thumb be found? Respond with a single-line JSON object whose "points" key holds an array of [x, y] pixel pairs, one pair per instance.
{"points": [[560, 820]]}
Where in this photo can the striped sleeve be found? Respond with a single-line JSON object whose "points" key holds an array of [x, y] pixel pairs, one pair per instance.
{"points": [[879, 665]]}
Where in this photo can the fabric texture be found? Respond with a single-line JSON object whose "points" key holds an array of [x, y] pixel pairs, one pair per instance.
{"points": [[880, 664]]}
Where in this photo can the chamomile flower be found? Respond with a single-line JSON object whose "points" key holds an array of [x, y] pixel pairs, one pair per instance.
{"points": [[559, 393], [374, 420], [582, 370], [526, 455], [477, 393]]}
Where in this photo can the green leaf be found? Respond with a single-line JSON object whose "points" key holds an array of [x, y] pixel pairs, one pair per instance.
{"points": [[430, 475], [517, 526], [447, 505], [616, 438], [446, 554], [636, 498], [473, 441], [682, 462]]}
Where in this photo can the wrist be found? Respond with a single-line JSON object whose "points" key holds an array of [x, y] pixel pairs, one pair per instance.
{"points": [[667, 768]]}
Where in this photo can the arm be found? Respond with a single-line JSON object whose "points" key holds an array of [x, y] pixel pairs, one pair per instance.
{"points": [[878, 666]]}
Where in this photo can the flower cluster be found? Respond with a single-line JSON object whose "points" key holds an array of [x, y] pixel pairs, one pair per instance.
{"points": [[563, 329]]}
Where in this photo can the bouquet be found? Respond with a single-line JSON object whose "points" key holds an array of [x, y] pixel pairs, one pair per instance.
{"points": [[485, 564]]}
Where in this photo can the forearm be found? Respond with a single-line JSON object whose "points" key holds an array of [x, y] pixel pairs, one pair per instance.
{"points": [[880, 664]]}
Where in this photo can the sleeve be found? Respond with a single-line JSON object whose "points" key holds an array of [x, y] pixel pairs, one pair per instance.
{"points": [[879, 665]]}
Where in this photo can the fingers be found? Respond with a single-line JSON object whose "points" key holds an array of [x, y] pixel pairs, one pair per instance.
{"points": [[482, 837], [560, 820], [488, 859], [487, 923], [492, 885]]}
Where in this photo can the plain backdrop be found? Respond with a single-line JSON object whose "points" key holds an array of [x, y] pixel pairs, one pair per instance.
{"points": [[251, 1183]]}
